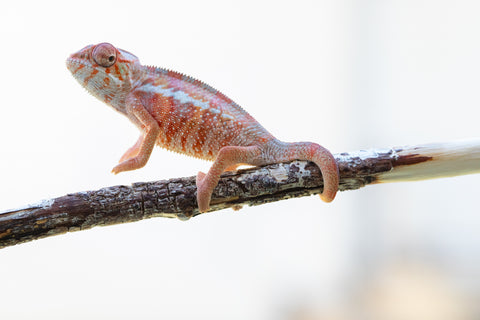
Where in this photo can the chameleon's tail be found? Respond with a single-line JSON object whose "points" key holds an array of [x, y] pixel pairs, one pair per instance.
{"points": [[322, 158]]}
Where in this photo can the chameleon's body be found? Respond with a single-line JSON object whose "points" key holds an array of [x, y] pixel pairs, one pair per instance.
{"points": [[185, 115]]}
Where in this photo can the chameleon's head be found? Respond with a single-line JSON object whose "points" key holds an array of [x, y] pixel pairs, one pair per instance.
{"points": [[105, 71]]}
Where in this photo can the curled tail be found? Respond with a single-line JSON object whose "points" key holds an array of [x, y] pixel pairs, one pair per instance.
{"points": [[322, 158]]}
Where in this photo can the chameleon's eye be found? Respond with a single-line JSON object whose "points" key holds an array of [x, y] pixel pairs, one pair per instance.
{"points": [[104, 54]]}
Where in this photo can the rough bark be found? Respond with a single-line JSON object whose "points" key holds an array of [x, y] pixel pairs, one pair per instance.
{"points": [[176, 198]]}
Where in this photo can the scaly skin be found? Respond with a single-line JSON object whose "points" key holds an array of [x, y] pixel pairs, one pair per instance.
{"points": [[185, 115]]}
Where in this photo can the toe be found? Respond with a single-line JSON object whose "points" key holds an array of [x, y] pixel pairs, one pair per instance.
{"points": [[200, 177]]}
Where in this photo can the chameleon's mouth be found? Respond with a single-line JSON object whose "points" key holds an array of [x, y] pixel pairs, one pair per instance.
{"points": [[83, 72], [74, 65]]}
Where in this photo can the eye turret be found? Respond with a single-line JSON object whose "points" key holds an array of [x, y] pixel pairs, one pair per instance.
{"points": [[104, 54]]}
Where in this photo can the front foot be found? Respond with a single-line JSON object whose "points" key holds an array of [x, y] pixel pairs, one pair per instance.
{"points": [[128, 165], [203, 194]]}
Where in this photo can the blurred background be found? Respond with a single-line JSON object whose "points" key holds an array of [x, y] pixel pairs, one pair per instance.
{"points": [[347, 74]]}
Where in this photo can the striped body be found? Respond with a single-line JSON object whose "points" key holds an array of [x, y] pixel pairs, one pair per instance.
{"points": [[188, 116], [196, 119]]}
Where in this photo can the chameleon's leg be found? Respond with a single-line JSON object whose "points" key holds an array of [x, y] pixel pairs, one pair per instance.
{"points": [[146, 142], [227, 157], [132, 151], [322, 158]]}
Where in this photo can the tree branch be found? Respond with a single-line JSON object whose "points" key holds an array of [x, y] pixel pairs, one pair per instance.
{"points": [[254, 186]]}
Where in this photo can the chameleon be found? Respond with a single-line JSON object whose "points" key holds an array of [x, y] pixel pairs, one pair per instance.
{"points": [[185, 115]]}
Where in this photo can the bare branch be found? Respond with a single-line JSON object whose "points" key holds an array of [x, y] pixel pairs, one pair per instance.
{"points": [[254, 186]]}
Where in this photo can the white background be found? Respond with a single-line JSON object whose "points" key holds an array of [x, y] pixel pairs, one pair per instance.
{"points": [[346, 74]]}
